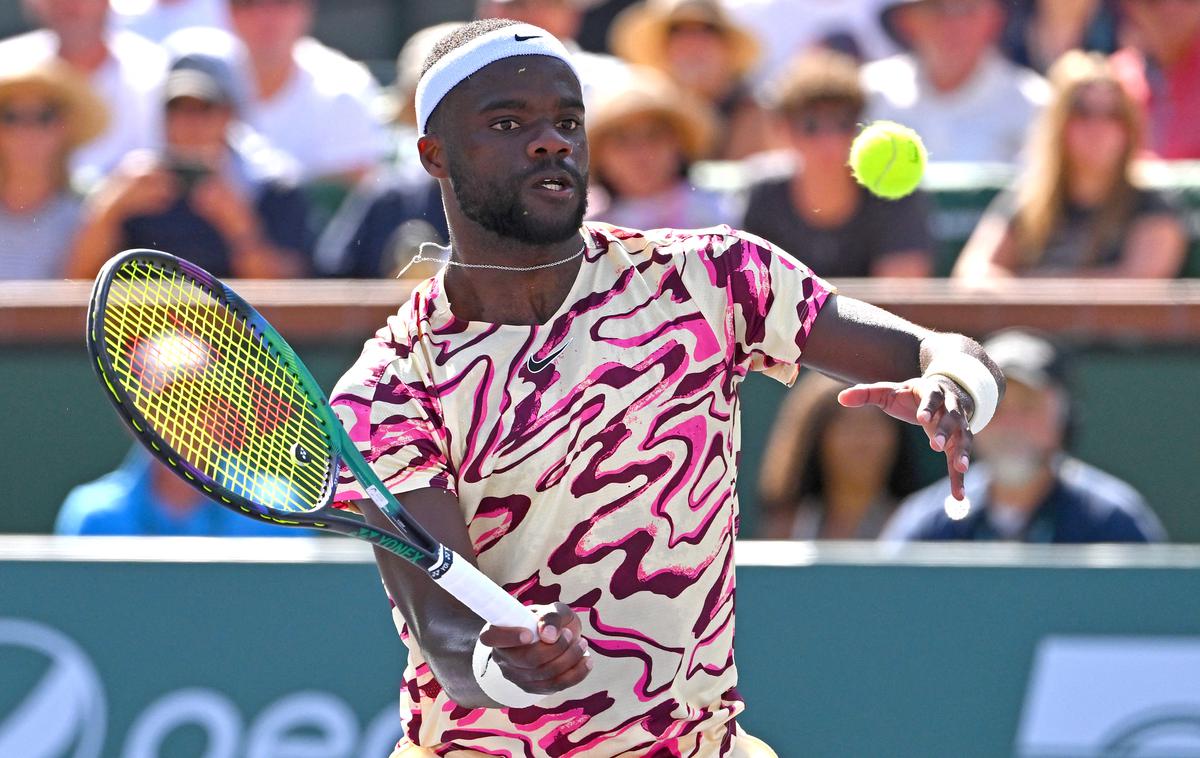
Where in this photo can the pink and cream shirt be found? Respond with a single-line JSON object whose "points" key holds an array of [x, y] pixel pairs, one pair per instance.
{"points": [[594, 459]]}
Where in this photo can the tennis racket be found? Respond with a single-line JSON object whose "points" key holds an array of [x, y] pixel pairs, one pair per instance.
{"points": [[214, 392]]}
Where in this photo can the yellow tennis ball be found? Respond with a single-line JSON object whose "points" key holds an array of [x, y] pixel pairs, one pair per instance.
{"points": [[888, 159]]}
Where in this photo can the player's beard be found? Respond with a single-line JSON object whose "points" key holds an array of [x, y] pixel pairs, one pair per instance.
{"points": [[498, 207]]}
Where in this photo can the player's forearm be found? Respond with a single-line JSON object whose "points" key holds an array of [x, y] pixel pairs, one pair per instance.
{"points": [[444, 629]]}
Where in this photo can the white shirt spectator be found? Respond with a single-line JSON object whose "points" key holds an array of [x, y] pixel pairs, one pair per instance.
{"points": [[986, 119], [804, 24], [130, 83], [323, 117], [158, 19]]}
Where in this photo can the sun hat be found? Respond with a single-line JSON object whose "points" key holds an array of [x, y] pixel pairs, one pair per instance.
{"points": [[639, 33], [647, 91], [84, 113]]}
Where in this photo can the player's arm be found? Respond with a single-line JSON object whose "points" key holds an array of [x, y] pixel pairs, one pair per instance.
{"points": [[896, 365], [447, 631]]}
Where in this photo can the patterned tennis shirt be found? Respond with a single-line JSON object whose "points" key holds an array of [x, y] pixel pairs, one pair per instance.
{"points": [[594, 459]]}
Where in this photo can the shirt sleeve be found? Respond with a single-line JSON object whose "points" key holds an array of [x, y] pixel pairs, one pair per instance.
{"points": [[394, 420], [760, 301]]}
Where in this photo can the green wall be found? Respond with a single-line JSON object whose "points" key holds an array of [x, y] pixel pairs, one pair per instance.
{"points": [[1140, 419], [877, 657]]}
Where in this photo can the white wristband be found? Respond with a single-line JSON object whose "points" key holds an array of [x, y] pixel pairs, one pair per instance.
{"points": [[975, 379], [497, 686]]}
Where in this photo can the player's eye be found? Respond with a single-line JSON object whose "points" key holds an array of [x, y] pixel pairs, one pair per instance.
{"points": [[569, 124], [505, 125]]}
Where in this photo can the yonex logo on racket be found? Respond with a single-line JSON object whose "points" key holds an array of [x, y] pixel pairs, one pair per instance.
{"points": [[301, 454]]}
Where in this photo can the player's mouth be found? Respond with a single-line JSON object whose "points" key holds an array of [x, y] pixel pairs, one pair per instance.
{"points": [[555, 184]]}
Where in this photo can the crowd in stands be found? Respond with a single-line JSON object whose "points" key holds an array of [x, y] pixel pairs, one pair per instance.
{"points": [[225, 132]]}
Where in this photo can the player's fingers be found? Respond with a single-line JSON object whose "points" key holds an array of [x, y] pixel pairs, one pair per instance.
{"points": [[559, 618], [504, 637], [574, 675], [859, 395], [930, 404], [551, 670], [532, 657]]}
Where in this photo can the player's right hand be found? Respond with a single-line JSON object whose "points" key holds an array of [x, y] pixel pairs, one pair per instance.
{"points": [[556, 660]]}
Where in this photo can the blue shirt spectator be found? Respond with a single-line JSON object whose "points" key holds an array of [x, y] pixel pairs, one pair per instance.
{"points": [[1027, 487], [142, 497], [1084, 504]]}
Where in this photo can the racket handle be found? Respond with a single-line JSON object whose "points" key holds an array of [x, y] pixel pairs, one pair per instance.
{"points": [[482, 595]]}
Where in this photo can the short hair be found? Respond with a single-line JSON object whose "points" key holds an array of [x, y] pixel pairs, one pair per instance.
{"points": [[452, 42], [462, 36], [820, 76]]}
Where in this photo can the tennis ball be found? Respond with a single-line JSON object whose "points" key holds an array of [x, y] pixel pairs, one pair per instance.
{"points": [[888, 159]]}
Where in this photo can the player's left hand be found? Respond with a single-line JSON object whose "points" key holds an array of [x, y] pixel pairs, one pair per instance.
{"points": [[935, 403]]}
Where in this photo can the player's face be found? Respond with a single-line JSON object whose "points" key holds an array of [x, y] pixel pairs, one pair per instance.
{"points": [[514, 145]]}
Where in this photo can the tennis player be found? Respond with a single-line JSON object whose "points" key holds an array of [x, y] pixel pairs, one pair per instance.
{"points": [[561, 402]]}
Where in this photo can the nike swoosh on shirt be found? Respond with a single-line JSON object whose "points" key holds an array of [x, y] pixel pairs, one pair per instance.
{"points": [[519, 38], [534, 366]]}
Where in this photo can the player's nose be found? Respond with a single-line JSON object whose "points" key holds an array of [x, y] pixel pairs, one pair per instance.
{"points": [[550, 140]]}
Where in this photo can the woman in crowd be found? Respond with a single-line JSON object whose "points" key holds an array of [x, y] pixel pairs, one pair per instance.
{"points": [[818, 212], [46, 111], [830, 472], [1079, 211], [697, 45], [644, 134]]}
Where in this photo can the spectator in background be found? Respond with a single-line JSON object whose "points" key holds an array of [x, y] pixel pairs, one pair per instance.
{"points": [[819, 210], [158, 19], [850, 26], [953, 86], [212, 196], [46, 111], [697, 45], [563, 19], [308, 100], [143, 497], [1078, 211], [125, 70], [1162, 71], [395, 208], [1026, 486], [643, 138], [830, 472], [1040, 31]]}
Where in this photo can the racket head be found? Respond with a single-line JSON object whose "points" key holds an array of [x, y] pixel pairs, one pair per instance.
{"points": [[211, 389]]}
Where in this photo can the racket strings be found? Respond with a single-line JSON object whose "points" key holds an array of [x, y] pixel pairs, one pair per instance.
{"points": [[214, 390]]}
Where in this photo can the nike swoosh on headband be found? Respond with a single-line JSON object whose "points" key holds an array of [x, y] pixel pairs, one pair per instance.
{"points": [[519, 38]]}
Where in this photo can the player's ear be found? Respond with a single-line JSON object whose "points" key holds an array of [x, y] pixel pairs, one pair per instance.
{"points": [[433, 157]]}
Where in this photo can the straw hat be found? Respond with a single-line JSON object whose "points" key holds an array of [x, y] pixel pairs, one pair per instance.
{"points": [[85, 114], [639, 33], [646, 91]]}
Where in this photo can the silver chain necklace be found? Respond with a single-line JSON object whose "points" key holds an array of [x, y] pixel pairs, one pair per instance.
{"points": [[461, 264]]}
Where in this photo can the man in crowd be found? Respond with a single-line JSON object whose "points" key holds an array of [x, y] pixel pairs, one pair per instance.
{"points": [[952, 85], [125, 70], [307, 99], [1162, 71], [1027, 487]]}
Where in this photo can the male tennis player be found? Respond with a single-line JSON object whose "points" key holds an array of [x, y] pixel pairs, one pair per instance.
{"points": [[561, 402]]}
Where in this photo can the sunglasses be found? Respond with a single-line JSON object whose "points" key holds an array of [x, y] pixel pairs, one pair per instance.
{"points": [[1086, 111], [45, 116], [694, 27], [812, 126], [266, 3]]}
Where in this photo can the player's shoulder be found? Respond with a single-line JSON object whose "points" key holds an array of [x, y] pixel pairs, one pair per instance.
{"points": [[669, 244]]}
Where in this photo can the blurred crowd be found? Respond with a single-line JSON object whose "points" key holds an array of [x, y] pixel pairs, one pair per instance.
{"points": [[225, 132]]}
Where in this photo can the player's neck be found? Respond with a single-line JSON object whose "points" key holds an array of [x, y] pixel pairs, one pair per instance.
{"points": [[509, 297]]}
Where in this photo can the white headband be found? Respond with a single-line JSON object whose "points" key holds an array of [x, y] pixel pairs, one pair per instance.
{"points": [[462, 62]]}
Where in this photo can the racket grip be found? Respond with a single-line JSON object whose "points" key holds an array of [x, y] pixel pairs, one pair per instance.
{"points": [[483, 596]]}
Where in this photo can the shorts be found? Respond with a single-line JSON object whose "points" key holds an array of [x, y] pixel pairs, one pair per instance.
{"points": [[745, 747]]}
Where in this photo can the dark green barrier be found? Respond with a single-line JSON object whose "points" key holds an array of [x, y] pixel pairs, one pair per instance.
{"points": [[850, 651], [1139, 420]]}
